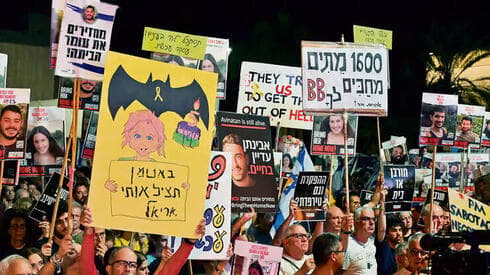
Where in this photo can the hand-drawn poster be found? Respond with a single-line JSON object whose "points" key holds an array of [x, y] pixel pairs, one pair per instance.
{"points": [[438, 119], [248, 138], [395, 150], [90, 136], [273, 91], [309, 195], [345, 77], [400, 182], [14, 109], [45, 146], [89, 94], [153, 146], [470, 126], [214, 245], [57, 9], [3, 70], [43, 209], [328, 135], [10, 172], [215, 60], [486, 131], [254, 258], [448, 170], [467, 214], [84, 39]]}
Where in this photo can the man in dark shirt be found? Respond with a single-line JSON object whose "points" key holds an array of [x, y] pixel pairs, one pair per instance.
{"points": [[385, 255]]}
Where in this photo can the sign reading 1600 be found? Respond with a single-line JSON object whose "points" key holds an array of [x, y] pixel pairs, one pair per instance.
{"points": [[366, 62]]}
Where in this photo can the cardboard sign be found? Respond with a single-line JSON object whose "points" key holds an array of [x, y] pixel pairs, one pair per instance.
{"points": [[467, 214], [258, 258], [438, 119], [373, 36], [344, 78], [273, 91], [175, 43], [399, 181], [309, 194], [470, 126]]}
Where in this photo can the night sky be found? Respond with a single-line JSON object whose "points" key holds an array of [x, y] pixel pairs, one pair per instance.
{"points": [[271, 32]]}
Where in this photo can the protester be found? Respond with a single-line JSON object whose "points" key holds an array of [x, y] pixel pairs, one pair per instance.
{"points": [[16, 234], [401, 257], [407, 223], [417, 257], [295, 246], [328, 253], [437, 214], [385, 250]]}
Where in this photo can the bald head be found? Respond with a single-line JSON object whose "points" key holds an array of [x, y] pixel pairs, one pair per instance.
{"points": [[437, 220], [19, 266], [333, 222]]}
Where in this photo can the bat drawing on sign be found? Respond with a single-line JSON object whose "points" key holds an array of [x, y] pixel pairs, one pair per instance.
{"points": [[156, 95]]}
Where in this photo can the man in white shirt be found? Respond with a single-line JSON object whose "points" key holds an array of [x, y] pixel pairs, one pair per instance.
{"points": [[294, 261]]}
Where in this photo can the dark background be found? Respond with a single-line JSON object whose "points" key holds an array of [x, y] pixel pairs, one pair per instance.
{"points": [[271, 32]]}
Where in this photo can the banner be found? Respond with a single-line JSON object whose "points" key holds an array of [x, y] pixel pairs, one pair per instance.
{"points": [[470, 126], [328, 135], [438, 119], [373, 35], [248, 139], [43, 209], [153, 146], [273, 91], [90, 136], [467, 214], [85, 38], [345, 77], [45, 146], [400, 182], [254, 258], [309, 195], [14, 106]]}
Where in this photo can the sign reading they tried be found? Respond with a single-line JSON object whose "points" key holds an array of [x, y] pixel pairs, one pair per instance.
{"points": [[344, 78]]}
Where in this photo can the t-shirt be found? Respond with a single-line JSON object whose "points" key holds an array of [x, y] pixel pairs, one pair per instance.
{"points": [[290, 266], [468, 136], [360, 258], [385, 258]]}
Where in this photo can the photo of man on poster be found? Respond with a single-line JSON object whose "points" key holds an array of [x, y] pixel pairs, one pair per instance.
{"points": [[233, 144], [466, 134]]}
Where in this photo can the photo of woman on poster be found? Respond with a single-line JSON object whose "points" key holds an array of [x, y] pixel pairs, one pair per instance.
{"points": [[209, 64], [43, 147], [334, 127], [287, 163]]}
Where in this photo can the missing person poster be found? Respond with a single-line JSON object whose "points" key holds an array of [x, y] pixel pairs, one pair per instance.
{"points": [[89, 94], [448, 170], [248, 139], [309, 195], [395, 150], [3, 70], [470, 126], [43, 209], [345, 77], [400, 182], [45, 146], [438, 119], [328, 136], [10, 172], [255, 258], [84, 39], [486, 131], [273, 91], [476, 161], [14, 110], [90, 136]]}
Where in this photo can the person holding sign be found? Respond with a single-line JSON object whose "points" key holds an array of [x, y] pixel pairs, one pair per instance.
{"points": [[437, 117], [334, 127], [233, 143], [466, 133], [43, 147]]}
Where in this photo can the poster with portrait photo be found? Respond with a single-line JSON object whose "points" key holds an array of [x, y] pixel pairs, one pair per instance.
{"points": [[215, 60], [255, 258], [423, 179], [3, 70], [14, 110], [89, 94], [476, 161], [45, 143], [486, 131], [470, 126], [248, 138], [10, 172], [90, 136], [395, 150], [438, 119], [400, 182], [328, 135], [57, 8], [447, 170]]}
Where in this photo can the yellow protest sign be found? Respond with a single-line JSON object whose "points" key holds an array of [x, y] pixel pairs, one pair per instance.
{"points": [[467, 214], [153, 146], [175, 43], [373, 35]]}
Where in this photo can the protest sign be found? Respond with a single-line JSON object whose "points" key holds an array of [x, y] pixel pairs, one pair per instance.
{"points": [[273, 91], [344, 77], [57, 8], [153, 171], [309, 195], [438, 119], [447, 170], [470, 126], [400, 182], [174, 43], [248, 138], [43, 209], [373, 36], [486, 131], [3, 70], [215, 60], [84, 39], [89, 94], [90, 136], [395, 150], [45, 146], [254, 258], [467, 213], [10, 172], [214, 245], [14, 106], [328, 135], [476, 162], [366, 196], [423, 179]]}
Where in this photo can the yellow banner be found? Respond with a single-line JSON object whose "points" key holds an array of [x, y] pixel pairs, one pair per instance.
{"points": [[153, 146], [467, 214], [373, 36], [175, 43]]}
